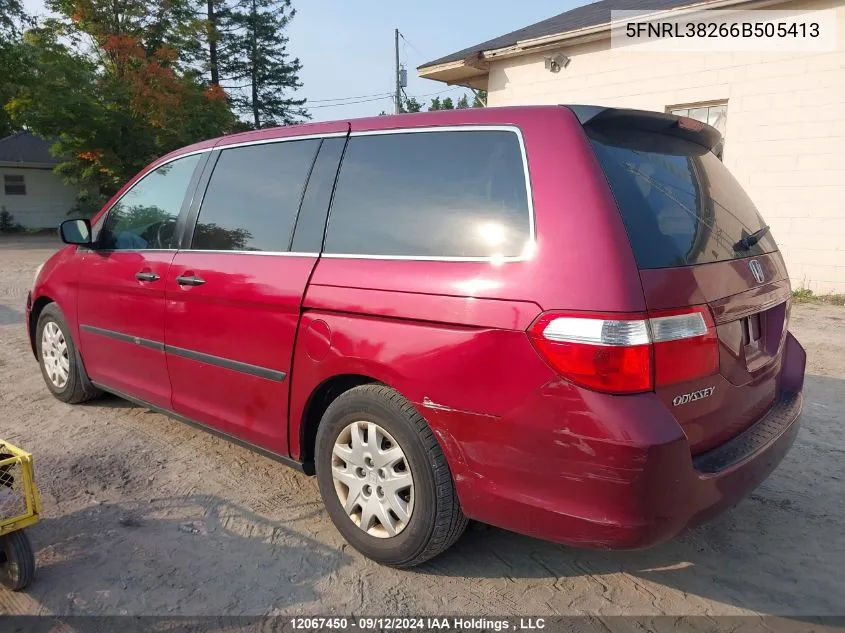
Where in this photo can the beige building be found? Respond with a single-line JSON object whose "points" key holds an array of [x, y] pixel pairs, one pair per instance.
{"points": [[782, 114]]}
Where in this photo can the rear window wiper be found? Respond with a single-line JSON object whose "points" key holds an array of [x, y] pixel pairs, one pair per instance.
{"points": [[750, 240]]}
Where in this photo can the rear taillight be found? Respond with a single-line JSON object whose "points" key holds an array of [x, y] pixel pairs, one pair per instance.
{"points": [[685, 345], [628, 353]]}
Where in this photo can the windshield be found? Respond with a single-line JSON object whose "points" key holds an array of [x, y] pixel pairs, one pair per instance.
{"points": [[680, 204]]}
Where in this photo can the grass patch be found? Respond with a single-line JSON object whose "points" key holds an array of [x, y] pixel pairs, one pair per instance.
{"points": [[805, 295]]}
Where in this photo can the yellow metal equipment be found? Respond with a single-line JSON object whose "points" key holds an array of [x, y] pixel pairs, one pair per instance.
{"points": [[20, 506]]}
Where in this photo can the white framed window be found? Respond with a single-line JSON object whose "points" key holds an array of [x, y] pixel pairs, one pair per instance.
{"points": [[14, 185], [713, 113]]}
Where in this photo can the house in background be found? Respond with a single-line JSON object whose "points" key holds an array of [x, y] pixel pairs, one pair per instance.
{"points": [[782, 114], [29, 190]]}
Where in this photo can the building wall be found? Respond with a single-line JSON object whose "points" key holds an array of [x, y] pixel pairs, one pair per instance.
{"points": [[785, 136], [47, 200]]}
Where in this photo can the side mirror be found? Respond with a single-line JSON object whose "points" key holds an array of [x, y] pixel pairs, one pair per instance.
{"points": [[76, 232]]}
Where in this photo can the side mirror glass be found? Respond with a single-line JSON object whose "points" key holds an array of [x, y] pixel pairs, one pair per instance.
{"points": [[76, 232]]}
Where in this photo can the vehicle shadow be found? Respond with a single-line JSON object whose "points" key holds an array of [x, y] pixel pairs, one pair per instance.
{"points": [[781, 552], [111, 401], [154, 559]]}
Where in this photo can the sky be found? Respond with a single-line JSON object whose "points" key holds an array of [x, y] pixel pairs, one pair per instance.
{"points": [[346, 46]]}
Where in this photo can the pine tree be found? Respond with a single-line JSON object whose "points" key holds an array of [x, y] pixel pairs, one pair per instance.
{"points": [[463, 103], [212, 37], [441, 104], [252, 54], [411, 105]]}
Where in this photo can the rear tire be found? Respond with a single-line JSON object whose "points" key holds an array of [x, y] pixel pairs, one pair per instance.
{"points": [[18, 561], [434, 517], [61, 364]]}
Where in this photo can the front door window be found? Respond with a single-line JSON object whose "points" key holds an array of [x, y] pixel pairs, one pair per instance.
{"points": [[145, 216]]}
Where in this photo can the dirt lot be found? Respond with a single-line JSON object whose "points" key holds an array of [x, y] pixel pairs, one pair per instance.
{"points": [[143, 515]]}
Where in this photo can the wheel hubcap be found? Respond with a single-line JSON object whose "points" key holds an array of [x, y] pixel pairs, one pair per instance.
{"points": [[54, 354], [372, 479]]}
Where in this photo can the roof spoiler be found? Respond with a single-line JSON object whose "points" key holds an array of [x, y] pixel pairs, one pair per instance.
{"points": [[660, 122]]}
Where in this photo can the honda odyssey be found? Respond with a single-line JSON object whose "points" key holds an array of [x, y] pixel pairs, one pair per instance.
{"points": [[567, 321]]}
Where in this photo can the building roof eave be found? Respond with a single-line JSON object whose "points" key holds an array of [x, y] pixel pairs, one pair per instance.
{"points": [[438, 72]]}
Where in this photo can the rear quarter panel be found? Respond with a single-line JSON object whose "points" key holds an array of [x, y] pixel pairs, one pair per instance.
{"points": [[461, 357]]}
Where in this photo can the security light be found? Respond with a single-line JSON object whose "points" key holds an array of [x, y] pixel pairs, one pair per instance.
{"points": [[555, 62]]}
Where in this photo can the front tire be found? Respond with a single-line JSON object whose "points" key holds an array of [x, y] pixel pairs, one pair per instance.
{"points": [[384, 479], [61, 364]]}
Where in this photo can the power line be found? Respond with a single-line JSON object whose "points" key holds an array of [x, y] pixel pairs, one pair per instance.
{"points": [[386, 96], [432, 94], [344, 103], [377, 94], [416, 50]]}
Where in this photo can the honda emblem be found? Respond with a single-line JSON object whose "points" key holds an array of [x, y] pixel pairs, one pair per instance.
{"points": [[757, 271]]}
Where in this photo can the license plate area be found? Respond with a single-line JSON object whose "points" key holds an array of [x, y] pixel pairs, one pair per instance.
{"points": [[752, 330], [758, 353]]}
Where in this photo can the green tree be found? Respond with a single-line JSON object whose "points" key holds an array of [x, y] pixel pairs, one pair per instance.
{"points": [[441, 104], [14, 69], [149, 26], [411, 105], [253, 56], [12, 18], [205, 51], [479, 101], [213, 14], [110, 85]]}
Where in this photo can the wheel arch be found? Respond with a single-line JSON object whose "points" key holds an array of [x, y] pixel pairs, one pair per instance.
{"points": [[318, 401], [37, 308]]}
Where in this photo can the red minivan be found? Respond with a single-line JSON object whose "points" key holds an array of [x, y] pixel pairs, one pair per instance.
{"points": [[566, 321]]}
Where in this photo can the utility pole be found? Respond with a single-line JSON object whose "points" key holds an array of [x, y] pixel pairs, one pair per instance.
{"points": [[398, 97]]}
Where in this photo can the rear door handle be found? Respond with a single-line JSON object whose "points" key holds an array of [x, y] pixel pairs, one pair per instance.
{"points": [[146, 276], [190, 280]]}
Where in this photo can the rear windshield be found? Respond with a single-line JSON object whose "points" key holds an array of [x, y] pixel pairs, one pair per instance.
{"points": [[680, 204]]}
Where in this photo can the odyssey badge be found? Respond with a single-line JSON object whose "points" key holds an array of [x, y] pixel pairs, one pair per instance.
{"points": [[693, 396]]}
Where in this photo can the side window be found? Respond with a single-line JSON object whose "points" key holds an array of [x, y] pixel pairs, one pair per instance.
{"points": [[311, 222], [14, 185], [253, 197], [145, 216], [431, 194]]}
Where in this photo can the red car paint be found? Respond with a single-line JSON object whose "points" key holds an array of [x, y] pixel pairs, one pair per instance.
{"points": [[528, 450]]}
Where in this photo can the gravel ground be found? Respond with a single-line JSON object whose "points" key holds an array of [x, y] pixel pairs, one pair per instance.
{"points": [[144, 515]]}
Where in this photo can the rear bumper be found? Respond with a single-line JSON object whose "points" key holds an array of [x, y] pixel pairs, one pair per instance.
{"points": [[630, 483]]}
